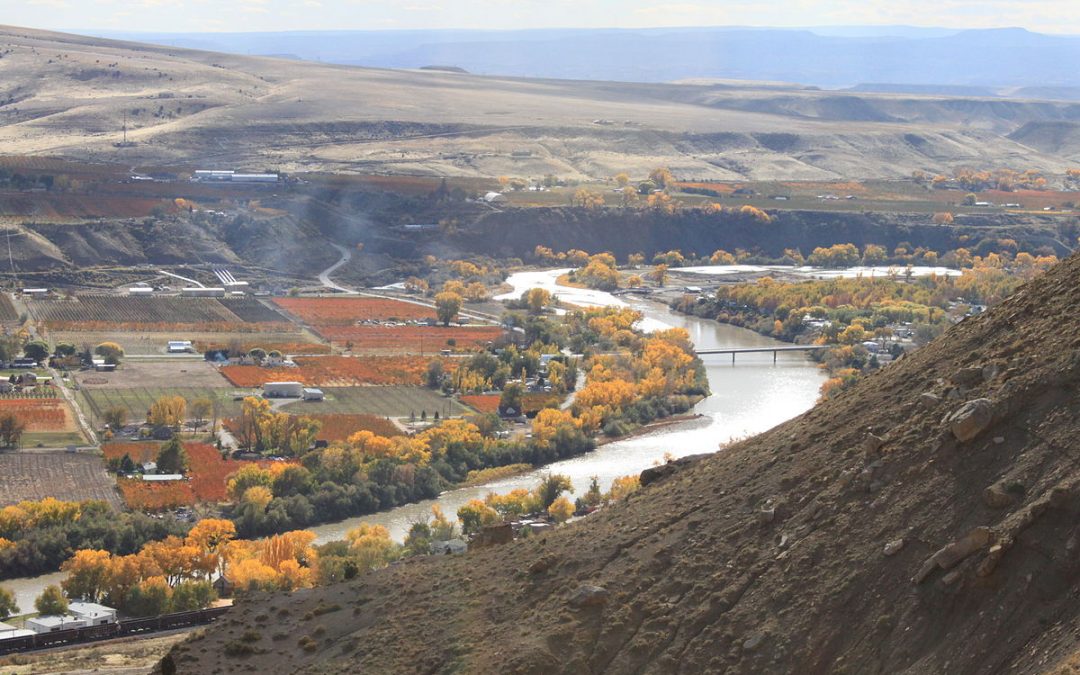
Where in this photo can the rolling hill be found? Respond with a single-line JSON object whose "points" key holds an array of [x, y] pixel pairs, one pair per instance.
{"points": [[924, 521], [69, 96]]}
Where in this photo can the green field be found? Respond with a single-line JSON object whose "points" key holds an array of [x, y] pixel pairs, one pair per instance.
{"points": [[51, 439], [138, 400], [382, 401]]}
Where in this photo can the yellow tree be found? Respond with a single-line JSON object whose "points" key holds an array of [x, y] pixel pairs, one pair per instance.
{"points": [[659, 274], [561, 510], [371, 546], [475, 515], [167, 411], [447, 306], [87, 574]]}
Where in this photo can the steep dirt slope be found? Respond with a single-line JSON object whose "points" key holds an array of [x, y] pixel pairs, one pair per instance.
{"points": [[862, 537]]}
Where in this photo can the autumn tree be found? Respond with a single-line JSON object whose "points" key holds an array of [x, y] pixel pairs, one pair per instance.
{"points": [[943, 218], [371, 546], [447, 306], [537, 299], [662, 177], [659, 274], [475, 515], [8, 606], [167, 411], [110, 351], [551, 487], [87, 574], [622, 179], [200, 410], [51, 602], [561, 510]]}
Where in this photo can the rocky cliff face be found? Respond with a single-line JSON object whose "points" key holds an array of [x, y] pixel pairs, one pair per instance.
{"points": [[925, 521]]}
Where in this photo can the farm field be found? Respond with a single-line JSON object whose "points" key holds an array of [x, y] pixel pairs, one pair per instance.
{"points": [[7, 308], [143, 343], [410, 339], [338, 371], [347, 311], [137, 400], [531, 403], [165, 373], [206, 481], [389, 401], [50, 421], [169, 313], [339, 426], [34, 476]]}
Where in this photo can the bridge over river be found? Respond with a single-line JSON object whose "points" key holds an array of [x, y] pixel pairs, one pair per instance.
{"points": [[760, 350]]}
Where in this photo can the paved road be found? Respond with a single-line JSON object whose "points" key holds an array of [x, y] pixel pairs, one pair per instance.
{"points": [[324, 276]]}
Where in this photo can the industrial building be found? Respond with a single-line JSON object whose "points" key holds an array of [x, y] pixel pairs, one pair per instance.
{"points": [[213, 176], [283, 390], [203, 292]]}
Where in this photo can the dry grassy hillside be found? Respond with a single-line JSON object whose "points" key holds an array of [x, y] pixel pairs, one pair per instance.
{"points": [[68, 95], [881, 532]]}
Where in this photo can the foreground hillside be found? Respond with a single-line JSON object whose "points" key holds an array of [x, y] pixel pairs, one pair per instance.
{"points": [[925, 521], [71, 96]]}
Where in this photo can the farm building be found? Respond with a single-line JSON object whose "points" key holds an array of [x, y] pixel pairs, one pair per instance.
{"points": [[162, 477], [102, 367], [93, 613], [283, 390], [233, 177], [140, 290], [32, 292], [24, 362], [203, 292], [51, 624], [311, 394], [180, 347]]}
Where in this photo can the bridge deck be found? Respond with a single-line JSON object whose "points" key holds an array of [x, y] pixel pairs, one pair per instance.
{"points": [[752, 350]]}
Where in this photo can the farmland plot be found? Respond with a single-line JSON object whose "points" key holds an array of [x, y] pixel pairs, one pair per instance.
{"points": [[410, 339], [347, 311], [338, 371], [148, 342], [137, 400], [164, 373], [387, 401], [35, 476], [111, 312]]}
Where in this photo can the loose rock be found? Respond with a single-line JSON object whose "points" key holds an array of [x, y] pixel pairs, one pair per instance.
{"points": [[929, 401], [971, 419], [589, 596], [893, 547]]}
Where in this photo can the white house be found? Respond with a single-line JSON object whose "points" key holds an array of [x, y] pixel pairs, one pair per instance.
{"points": [[283, 390], [180, 346], [93, 613], [53, 623], [9, 631]]}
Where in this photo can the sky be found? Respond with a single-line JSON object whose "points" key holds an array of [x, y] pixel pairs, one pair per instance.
{"points": [[1047, 16]]}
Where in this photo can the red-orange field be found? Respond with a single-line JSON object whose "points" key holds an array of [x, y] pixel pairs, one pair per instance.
{"points": [[341, 371], [207, 477], [347, 311], [485, 403], [39, 414], [419, 339]]}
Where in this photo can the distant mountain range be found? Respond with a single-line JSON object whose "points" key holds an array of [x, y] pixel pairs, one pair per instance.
{"points": [[991, 62]]}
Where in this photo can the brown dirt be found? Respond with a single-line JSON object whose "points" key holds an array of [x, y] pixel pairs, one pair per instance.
{"points": [[37, 475], [700, 581]]}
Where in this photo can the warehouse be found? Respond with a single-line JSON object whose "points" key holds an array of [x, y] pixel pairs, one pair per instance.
{"points": [[283, 390]]}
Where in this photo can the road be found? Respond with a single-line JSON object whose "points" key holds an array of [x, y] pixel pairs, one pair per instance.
{"points": [[346, 256], [88, 430], [324, 276]]}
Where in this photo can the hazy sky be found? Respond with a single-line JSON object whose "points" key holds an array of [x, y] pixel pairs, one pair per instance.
{"points": [[1051, 16]]}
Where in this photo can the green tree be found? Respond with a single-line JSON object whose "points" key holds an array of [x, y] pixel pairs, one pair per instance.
{"points": [[512, 397], [65, 349], [8, 606], [447, 305], [37, 350], [11, 430], [551, 487], [172, 458], [434, 373], [51, 602]]}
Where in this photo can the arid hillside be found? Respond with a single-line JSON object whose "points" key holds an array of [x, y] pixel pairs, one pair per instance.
{"points": [[925, 521], [69, 96]]}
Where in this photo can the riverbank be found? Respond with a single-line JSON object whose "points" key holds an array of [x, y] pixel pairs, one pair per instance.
{"points": [[649, 428]]}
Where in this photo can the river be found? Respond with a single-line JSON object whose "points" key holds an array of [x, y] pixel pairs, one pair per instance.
{"points": [[748, 397]]}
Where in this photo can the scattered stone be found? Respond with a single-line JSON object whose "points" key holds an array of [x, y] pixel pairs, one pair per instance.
{"points": [[990, 562], [998, 440], [997, 497], [971, 419], [872, 447], [893, 547], [766, 515], [929, 401], [543, 564], [989, 372], [950, 555], [589, 596], [753, 642]]}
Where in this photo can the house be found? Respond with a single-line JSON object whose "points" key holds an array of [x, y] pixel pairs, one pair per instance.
{"points": [[312, 394], [283, 390], [692, 289], [9, 631], [101, 366], [180, 347], [54, 623], [91, 612]]}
